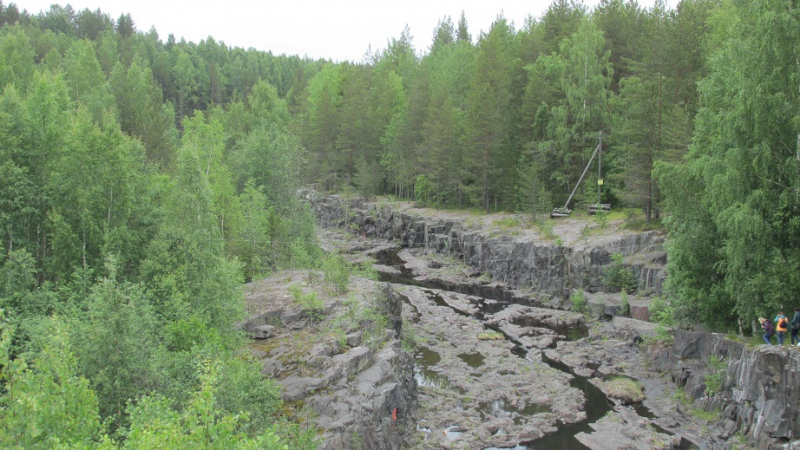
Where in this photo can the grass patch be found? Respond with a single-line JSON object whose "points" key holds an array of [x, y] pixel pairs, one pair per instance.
{"points": [[491, 336], [311, 305], [507, 222], [546, 229], [363, 314], [708, 416], [681, 397], [750, 341], [624, 389]]}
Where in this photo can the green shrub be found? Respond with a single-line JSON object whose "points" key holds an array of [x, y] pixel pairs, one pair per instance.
{"points": [[366, 270], [586, 231], [664, 334], [578, 299], [662, 312], [620, 277], [601, 219], [625, 305], [409, 340], [337, 272], [507, 222], [634, 219], [546, 228], [309, 303], [423, 191], [715, 378]]}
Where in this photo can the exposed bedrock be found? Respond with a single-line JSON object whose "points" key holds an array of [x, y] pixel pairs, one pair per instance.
{"points": [[518, 262], [760, 386], [339, 369]]}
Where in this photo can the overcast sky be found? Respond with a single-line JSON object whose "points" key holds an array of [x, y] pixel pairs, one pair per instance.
{"points": [[333, 29]]}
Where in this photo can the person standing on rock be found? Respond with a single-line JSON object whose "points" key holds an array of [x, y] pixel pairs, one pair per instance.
{"points": [[782, 325], [769, 330], [796, 326]]}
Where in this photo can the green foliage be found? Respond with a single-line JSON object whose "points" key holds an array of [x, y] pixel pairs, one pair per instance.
{"points": [[617, 276], [578, 299], [48, 404], [200, 425], [410, 339], [337, 272], [664, 335], [662, 311], [341, 339], [507, 222], [309, 303], [715, 377], [733, 211], [707, 415], [601, 219], [367, 315], [546, 228], [179, 162], [241, 389], [624, 305], [366, 270], [372, 321], [423, 191], [634, 219], [114, 340]]}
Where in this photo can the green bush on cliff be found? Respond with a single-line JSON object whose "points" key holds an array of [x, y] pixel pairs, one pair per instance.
{"points": [[337, 272], [617, 276], [578, 299], [309, 303], [715, 378]]}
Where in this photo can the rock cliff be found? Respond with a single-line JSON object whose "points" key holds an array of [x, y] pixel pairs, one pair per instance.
{"points": [[341, 367], [518, 262], [759, 386]]}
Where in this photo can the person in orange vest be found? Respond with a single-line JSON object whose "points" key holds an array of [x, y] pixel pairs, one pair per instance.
{"points": [[782, 326]]}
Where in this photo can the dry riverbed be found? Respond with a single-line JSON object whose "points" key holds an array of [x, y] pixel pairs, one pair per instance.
{"points": [[471, 372]]}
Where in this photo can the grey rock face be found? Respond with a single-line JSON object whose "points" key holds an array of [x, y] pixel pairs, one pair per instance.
{"points": [[263, 331], [357, 388], [623, 429], [517, 263], [762, 383]]}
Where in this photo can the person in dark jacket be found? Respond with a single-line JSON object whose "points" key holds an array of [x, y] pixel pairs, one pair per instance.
{"points": [[796, 326], [769, 329]]}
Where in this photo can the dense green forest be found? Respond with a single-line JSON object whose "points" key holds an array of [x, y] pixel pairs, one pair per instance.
{"points": [[142, 181], [133, 207]]}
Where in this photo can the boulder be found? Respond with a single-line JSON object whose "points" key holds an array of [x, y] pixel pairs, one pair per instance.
{"points": [[263, 331]]}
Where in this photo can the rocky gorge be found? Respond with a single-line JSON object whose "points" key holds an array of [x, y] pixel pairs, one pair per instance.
{"points": [[493, 355]]}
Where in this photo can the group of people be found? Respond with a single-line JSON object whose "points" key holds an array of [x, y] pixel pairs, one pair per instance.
{"points": [[782, 325]]}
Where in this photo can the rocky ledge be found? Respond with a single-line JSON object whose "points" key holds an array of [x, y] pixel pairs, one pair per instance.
{"points": [[751, 389], [338, 358], [519, 258]]}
